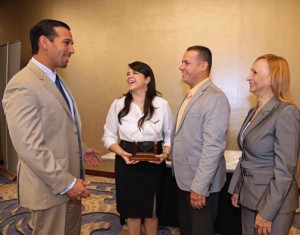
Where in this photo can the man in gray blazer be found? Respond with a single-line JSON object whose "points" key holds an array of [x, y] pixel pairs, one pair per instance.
{"points": [[199, 145]]}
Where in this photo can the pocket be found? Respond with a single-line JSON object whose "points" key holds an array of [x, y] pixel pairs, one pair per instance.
{"points": [[262, 179], [193, 161]]}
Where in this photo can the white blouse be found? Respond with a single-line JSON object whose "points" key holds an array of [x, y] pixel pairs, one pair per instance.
{"points": [[159, 127]]}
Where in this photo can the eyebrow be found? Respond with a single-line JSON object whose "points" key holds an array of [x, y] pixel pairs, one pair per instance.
{"points": [[69, 40]]}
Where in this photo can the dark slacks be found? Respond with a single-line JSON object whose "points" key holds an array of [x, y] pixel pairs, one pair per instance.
{"points": [[194, 221]]}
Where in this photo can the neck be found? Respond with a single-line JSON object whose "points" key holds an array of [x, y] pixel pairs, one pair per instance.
{"points": [[138, 98], [262, 100], [43, 61]]}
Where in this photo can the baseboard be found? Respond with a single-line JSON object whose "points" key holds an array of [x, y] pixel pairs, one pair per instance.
{"points": [[100, 173], [7, 173]]}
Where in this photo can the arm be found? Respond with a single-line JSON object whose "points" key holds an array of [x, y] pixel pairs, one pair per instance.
{"points": [[24, 119], [215, 126], [110, 136], [286, 150], [168, 132]]}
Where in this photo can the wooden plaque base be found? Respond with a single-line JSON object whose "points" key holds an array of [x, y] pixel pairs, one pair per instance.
{"points": [[145, 156]]}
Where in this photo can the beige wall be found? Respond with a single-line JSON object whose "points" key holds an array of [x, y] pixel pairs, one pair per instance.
{"points": [[109, 34]]}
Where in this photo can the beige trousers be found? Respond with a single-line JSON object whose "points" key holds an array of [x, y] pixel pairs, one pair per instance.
{"points": [[64, 219]]}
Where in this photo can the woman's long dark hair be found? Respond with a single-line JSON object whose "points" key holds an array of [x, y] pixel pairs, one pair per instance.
{"points": [[150, 94]]}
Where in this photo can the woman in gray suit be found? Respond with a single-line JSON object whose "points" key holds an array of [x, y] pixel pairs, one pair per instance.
{"points": [[263, 182]]}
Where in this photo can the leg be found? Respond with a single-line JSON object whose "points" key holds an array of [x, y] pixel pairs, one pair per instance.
{"points": [[282, 223], [49, 221], [134, 226], [183, 205], [248, 220], [73, 222], [202, 221], [151, 225]]}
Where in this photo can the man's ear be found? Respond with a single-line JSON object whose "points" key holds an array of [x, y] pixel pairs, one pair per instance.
{"points": [[44, 42], [204, 65]]}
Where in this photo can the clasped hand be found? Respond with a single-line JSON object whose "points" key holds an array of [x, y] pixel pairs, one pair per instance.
{"points": [[79, 191], [262, 225], [197, 201]]}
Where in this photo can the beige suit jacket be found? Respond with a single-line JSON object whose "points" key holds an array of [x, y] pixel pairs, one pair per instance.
{"points": [[44, 135]]}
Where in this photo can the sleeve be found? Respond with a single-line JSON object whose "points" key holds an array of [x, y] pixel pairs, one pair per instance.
{"points": [[111, 126], [286, 150], [215, 127], [25, 125], [234, 186], [168, 125]]}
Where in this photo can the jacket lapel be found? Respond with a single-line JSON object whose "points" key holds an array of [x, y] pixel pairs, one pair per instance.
{"points": [[49, 85], [262, 115], [194, 98]]}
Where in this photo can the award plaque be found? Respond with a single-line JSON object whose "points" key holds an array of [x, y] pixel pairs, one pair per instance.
{"points": [[145, 151]]}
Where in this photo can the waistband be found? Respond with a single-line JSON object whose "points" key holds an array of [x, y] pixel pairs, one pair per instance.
{"points": [[142, 142]]}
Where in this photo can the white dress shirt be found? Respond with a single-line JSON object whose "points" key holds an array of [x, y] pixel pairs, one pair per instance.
{"points": [[159, 127]]}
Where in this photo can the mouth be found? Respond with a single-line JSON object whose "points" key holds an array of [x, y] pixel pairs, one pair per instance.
{"points": [[67, 57], [131, 81]]}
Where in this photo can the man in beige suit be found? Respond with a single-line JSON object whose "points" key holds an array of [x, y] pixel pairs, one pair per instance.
{"points": [[44, 126]]}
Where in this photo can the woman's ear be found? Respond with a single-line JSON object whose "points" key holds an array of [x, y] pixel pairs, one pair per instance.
{"points": [[148, 79]]}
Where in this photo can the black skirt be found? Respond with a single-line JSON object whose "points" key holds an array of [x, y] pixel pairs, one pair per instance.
{"points": [[138, 186]]}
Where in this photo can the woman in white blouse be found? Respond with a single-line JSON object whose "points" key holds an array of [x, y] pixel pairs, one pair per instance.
{"points": [[141, 116]]}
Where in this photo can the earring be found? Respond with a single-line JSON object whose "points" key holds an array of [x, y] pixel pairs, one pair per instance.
{"points": [[146, 88]]}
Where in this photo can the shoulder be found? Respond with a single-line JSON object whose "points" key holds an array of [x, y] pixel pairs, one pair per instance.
{"points": [[118, 103], [159, 102], [213, 88], [26, 77], [288, 110]]}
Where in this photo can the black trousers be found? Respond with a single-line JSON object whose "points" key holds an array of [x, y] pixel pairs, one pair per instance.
{"points": [[194, 221]]}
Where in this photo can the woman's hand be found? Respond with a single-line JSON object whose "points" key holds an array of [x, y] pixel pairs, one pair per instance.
{"points": [[262, 226], [127, 157], [234, 200], [162, 157]]}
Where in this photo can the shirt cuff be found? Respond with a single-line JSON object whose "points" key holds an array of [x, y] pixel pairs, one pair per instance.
{"points": [[69, 187]]}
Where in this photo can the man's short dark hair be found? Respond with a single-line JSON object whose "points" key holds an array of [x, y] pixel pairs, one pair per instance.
{"points": [[204, 54], [44, 27]]}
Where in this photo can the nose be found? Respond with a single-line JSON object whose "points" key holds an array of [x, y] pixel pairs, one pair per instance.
{"points": [[181, 67], [71, 49]]}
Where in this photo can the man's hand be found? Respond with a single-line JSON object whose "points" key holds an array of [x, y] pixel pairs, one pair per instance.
{"points": [[91, 156], [262, 225], [197, 201], [79, 191], [234, 200]]}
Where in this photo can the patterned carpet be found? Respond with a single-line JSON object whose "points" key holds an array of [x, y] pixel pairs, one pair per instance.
{"points": [[99, 215]]}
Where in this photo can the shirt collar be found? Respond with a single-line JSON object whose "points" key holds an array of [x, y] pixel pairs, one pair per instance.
{"points": [[196, 88], [45, 69]]}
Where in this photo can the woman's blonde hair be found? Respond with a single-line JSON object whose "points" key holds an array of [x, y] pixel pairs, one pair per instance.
{"points": [[280, 77]]}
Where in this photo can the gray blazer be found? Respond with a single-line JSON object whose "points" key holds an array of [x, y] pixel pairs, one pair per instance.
{"points": [[200, 140], [264, 177]]}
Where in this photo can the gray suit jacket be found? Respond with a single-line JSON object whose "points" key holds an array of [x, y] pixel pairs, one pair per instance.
{"points": [[264, 177], [200, 140], [44, 135]]}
